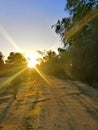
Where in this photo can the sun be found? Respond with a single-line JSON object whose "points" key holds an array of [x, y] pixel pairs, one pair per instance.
{"points": [[31, 59], [31, 64]]}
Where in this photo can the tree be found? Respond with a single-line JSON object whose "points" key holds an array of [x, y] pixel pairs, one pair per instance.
{"points": [[50, 63], [1, 61], [80, 34], [81, 13], [46, 55], [16, 58]]}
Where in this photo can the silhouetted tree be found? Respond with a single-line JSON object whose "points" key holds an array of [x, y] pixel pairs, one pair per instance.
{"points": [[51, 63], [46, 55], [16, 58], [80, 40], [1, 61]]}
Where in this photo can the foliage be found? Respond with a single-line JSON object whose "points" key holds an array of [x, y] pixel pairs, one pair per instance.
{"points": [[51, 64], [79, 35], [1, 61], [16, 58], [46, 55]]}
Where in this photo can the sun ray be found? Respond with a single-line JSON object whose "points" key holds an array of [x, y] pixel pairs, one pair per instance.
{"points": [[86, 19], [42, 75], [9, 38], [3, 84]]}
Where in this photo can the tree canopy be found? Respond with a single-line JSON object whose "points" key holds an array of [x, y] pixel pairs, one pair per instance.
{"points": [[79, 34], [1, 61], [16, 58]]}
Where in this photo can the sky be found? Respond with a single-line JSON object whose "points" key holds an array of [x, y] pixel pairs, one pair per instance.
{"points": [[25, 25]]}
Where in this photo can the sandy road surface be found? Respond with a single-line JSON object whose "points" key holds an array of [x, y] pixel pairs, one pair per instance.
{"points": [[59, 105]]}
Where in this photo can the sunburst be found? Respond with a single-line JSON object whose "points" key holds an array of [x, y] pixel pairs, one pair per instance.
{"points": [[31, 59]]}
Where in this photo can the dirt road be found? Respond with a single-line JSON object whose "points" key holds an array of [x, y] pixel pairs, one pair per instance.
{"points": [[56, 105]]}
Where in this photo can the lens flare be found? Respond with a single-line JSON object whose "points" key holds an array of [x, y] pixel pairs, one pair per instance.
{"points": [[9, 38], [42, 75], [3, 84], [81, 23]]}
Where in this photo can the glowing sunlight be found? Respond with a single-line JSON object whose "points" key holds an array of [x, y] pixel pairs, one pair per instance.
{"points": [[31, 60], [31, 63]]}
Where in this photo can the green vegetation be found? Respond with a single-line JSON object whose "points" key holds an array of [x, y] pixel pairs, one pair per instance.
{"points": [[51, 64], [78, 59]]}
